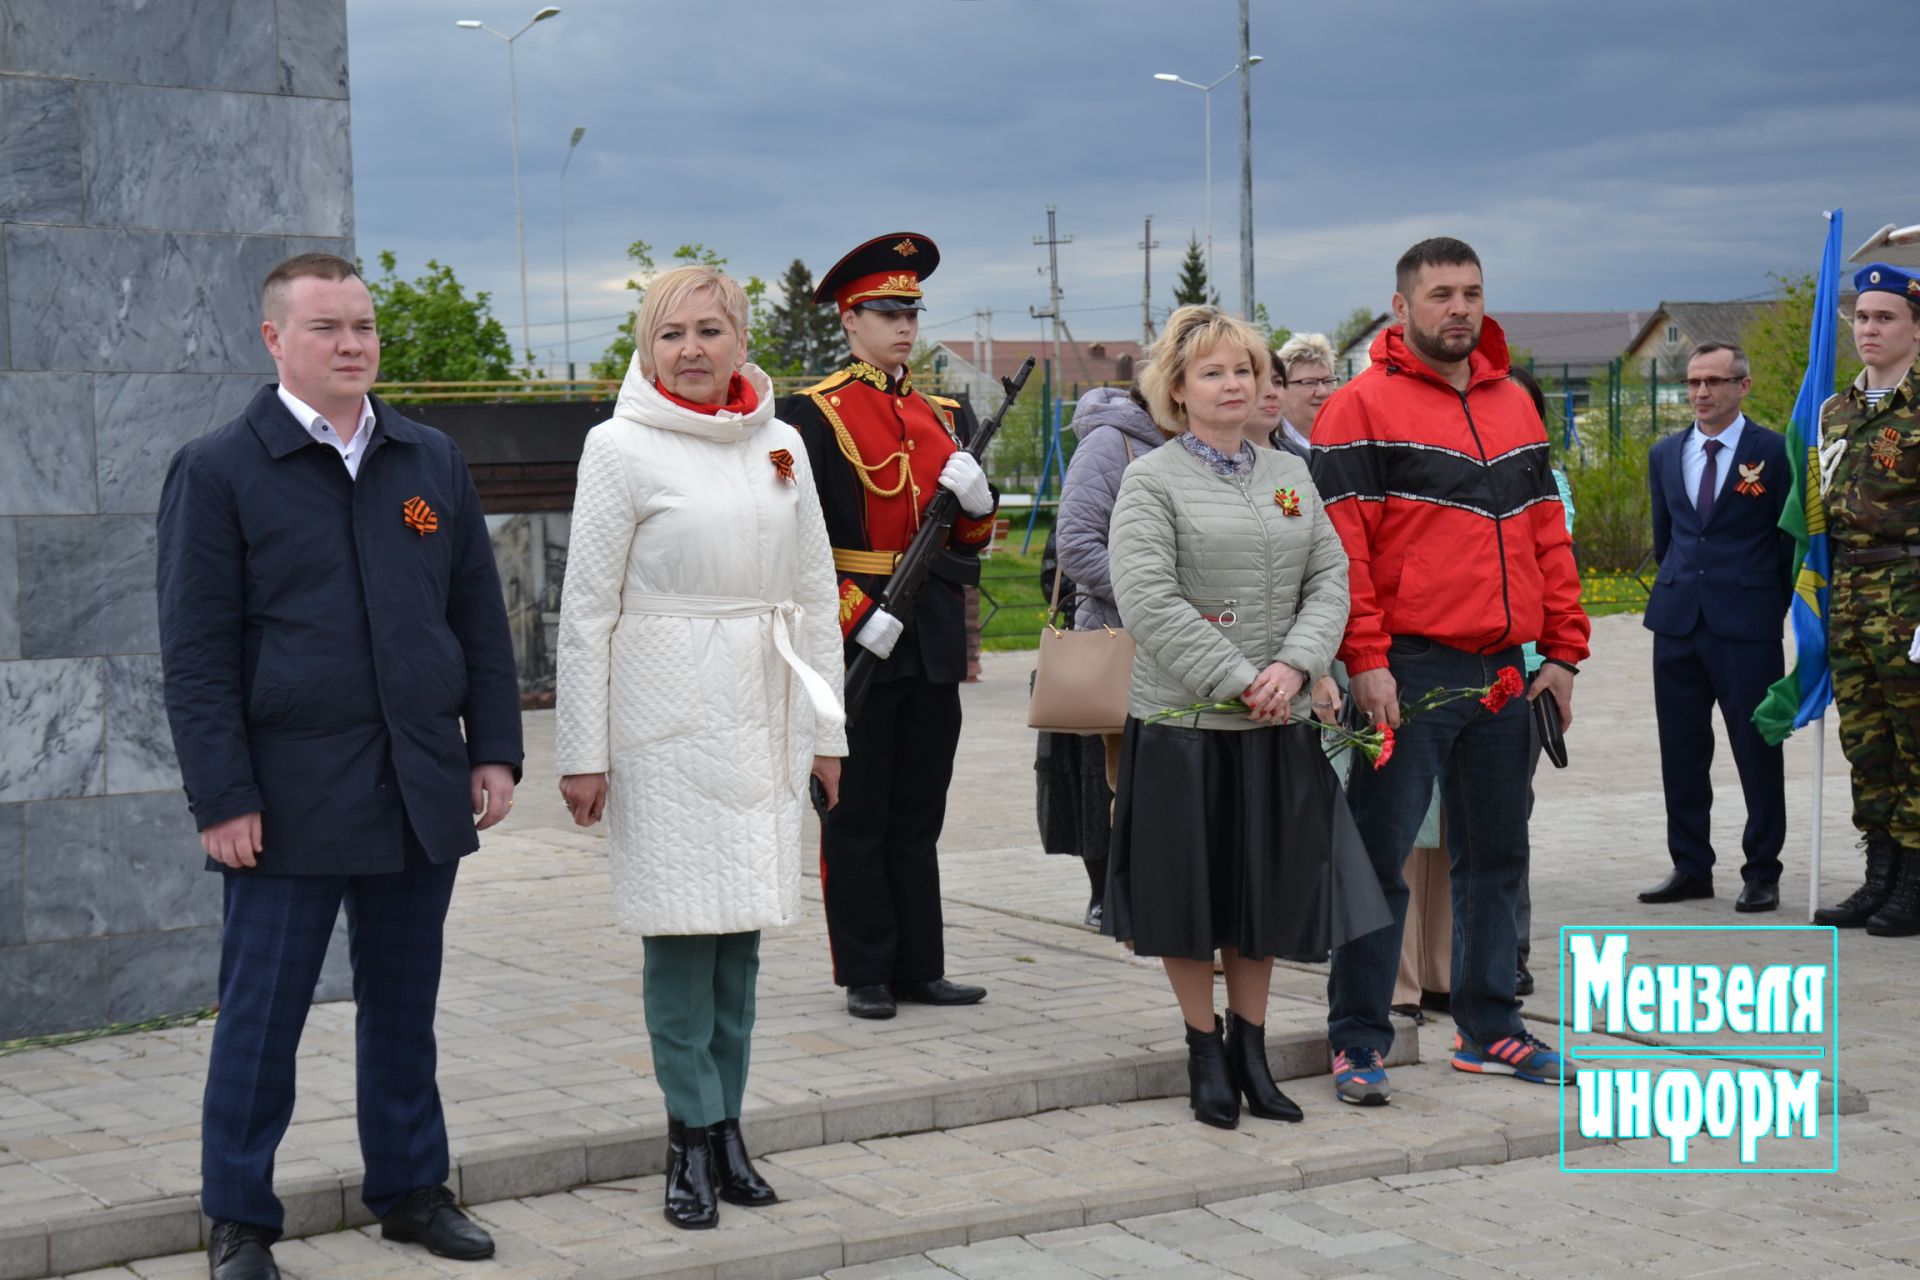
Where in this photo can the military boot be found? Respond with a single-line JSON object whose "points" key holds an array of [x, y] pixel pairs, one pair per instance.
{"points": [[1862, 903], [1900, 916]]}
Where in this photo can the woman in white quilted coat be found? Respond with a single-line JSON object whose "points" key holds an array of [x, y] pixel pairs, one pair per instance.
{"points": [[698, 687]]}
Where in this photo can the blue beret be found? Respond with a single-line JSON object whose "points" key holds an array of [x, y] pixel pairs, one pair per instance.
{"points": [[1882, 278]]}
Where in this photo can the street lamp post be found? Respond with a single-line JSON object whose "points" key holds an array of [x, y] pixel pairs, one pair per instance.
{"points": [[566, 306], [1206, 91], [513, 121]]}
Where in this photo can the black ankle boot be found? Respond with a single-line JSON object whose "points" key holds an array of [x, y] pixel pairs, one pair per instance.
{"points": [[1209, 1085], [1246, 1048], [1899, 916], [1883, 855], [690, 1191], [733, 1169]]}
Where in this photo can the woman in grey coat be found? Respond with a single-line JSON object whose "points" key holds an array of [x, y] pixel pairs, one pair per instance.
{"points": [[1230, 830], [1076, 772]]}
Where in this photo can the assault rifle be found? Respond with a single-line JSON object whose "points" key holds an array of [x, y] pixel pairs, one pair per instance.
{"points": [[910, 573]]}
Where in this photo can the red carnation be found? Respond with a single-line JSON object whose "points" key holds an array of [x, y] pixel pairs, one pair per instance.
{"points": [[1502, 690], [1386, 747]]}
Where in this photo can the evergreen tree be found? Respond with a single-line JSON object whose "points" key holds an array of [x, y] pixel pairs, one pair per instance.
{"points": [[802, 336], [1193, 286]]}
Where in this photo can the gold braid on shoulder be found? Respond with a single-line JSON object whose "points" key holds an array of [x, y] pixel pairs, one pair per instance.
{"points": [[851, 453]]}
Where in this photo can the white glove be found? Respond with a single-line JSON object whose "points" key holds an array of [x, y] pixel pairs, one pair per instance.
{"points": [[1913, 653], [879, 633], [963, 478]]}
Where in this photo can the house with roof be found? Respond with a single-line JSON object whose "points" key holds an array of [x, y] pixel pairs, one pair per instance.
{"points": [[1565, 347], [1674, 329]]}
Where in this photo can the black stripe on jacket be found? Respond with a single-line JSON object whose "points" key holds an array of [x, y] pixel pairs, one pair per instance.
{"points": [[1375, 470]]}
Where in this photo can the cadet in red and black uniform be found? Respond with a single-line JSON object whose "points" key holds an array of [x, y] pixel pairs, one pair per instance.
{"points": [[881, 450]]}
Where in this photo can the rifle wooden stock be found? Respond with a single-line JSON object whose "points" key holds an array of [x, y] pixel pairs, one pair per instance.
{"points": [[936, 522]]}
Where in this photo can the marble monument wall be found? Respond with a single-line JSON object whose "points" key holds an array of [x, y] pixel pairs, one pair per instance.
{"points": [[155, 162]]}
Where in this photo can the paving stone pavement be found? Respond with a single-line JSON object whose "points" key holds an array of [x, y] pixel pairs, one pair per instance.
{"points": [[542, 1035]]}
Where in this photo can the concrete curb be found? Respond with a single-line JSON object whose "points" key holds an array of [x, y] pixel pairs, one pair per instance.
{"points": [[315, 1206]]}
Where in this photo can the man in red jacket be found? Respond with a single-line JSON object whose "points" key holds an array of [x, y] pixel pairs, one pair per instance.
{"points": [[1434, 468]]}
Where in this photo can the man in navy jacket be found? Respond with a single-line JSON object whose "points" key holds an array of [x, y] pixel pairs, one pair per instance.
{"points": [[330, 618], [1717, 611]]}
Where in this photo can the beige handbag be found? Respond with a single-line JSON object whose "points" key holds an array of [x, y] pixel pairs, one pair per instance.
{"points": [[1080, 678]]}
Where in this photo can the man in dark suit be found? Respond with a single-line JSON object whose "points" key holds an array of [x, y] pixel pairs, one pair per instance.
{"points": [[330, 617], [1716, 613]]}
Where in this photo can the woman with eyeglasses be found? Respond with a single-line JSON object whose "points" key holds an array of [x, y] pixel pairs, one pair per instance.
{"points": [[1306, 381]]}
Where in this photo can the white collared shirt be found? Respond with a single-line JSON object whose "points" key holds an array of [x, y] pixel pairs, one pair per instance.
{"points": [[1293, 434], [1693, 457], [351, 451]]}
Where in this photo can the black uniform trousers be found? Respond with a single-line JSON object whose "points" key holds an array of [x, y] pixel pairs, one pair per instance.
{"points": [[879, 872], [276, 929], [1692, 673]]}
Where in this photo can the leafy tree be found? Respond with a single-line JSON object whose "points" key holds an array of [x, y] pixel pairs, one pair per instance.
{"points": [[1193, 287], [1276, 335], [803, 336], [612, 365], [1776, 345], [1358, 321], [431, 331]]}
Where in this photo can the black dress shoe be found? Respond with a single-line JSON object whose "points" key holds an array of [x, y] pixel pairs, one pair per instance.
{"points": [[1436, 1001], [1758, 895], [1523, 982], [692, 1199], [733, 1169], [870, 1002], [430, 1217], [1678, 887], [939, 991], [1095, 911], [238, 1251], [1247, 1067], [1411, 1012]]}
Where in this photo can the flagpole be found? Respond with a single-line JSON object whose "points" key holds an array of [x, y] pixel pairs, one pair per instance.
{"points": [[1819, 795]]}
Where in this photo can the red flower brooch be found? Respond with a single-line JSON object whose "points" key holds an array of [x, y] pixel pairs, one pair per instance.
{"points": [[1288, 500]]}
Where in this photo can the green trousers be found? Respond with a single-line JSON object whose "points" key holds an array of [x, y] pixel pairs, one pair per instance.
{"points": [[699, 992], [1877, 691]]}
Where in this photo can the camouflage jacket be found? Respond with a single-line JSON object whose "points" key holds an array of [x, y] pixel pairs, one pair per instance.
{"points": [[1874, 495]]}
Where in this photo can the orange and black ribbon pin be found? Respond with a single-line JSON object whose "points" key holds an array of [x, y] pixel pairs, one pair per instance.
{"points": [[418, 516], [783, 464]]}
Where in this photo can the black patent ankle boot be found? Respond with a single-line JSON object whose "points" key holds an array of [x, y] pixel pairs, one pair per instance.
{"points": [[691, 1198], [1899, 916], [1246, 1048], [1209, 1085], [1883, 856], [733, 1168]]}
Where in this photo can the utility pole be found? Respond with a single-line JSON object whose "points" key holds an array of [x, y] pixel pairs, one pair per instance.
{"points": [[984, 365], [1149, 244], [1053, 243], [1246, 164], [988, 366]]}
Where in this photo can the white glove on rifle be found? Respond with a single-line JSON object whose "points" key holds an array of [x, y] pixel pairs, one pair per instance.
{"points": [[879, 633], [963, 478]]}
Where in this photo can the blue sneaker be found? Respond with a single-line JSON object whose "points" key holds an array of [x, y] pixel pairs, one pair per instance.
{"points": [[1525, 1057], [1359, 1078]]}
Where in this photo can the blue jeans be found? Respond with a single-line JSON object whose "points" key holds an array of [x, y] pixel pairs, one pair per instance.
{"points": [[1480, 760]]}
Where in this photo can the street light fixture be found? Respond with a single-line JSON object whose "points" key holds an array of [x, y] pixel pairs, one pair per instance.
{"points": [[1207, 91], [513, 120], [566, 308]]}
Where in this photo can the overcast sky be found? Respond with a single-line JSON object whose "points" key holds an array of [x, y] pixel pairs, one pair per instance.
{"points": [[1598, 156]]}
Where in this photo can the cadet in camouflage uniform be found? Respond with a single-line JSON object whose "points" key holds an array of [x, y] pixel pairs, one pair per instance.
{"points": [[1870, 465]]}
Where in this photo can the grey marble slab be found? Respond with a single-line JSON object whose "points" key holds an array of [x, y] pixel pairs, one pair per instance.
{"points": [[190, 159], [46, 444], [142, 419], [39, 151], [159, 973], [139, 743], [86, 586], [9, 592], [52, 728], [215, 44], [140, 301], [115, 864], [6, 346], [53, 986], [13, 911], [313, 47]]}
